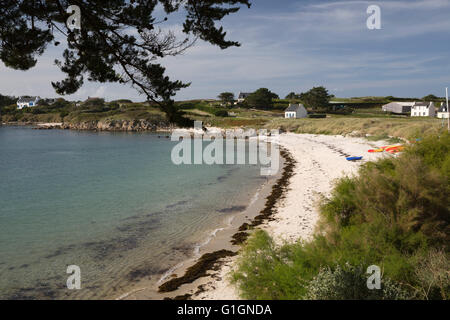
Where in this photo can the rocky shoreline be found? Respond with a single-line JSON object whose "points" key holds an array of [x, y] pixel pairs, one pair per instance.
{"points": [[102, 125], [120, 125]]}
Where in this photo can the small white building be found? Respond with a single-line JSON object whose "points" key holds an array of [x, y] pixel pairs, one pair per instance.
{"points": [[24, 102], [443, 111], [242, 96], [423, 109], [398, 107], [296, 111]]}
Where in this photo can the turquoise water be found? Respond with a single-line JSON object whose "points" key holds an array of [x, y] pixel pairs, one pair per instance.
{"points": [[111, 203]]}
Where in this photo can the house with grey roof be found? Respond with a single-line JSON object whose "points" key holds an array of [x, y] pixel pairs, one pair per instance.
{"points": [[295, 111], [443, 111], [25, 102], [398, 107], [423, 109], [242, 96]]}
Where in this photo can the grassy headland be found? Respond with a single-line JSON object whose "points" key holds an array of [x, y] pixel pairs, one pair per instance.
{"points": [[363, 118]]}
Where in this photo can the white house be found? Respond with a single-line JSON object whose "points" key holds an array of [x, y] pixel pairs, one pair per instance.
{"points": [[423, 109], [24, 102], [242, 96], [295, 111], [443, 112]]}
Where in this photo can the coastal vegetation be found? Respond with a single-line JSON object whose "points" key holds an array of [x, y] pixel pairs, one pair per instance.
{"points": [[360, 121], [227, 98], [316, 98], [76, 112], [262, 98], [393, 214]]}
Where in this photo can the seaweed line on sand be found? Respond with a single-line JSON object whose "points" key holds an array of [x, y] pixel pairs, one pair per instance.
{"points": [[200, 269], [278, 193], [210, 261]]}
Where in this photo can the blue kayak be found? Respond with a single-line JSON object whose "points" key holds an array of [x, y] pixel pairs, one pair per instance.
{"points": [[354, 158]]}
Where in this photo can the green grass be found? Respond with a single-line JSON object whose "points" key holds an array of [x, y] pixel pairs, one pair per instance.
{"points": [[407, 128], [384, 137], [126, 112], [394, 214]]}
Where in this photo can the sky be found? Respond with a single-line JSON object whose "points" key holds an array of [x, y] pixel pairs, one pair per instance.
{"points": [[292, 46]]}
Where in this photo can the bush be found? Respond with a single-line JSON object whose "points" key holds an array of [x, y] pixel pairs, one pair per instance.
{"points": [[433, 274], [221, 113], [404, 193], [393, 214], [267, 272], [63, 114], [350, 283]]}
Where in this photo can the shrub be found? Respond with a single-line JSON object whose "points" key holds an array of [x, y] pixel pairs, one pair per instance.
{"points": [[433, 274], [404, 193], [221, 113], [394, 214], [350, 283], [63, 114], [266, 272]]}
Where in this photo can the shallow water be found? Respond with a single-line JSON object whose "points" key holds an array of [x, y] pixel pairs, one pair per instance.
{"points": [[111, 203]]}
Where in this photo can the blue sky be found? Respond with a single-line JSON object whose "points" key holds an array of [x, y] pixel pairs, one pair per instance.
{"points": [[293, 45]]}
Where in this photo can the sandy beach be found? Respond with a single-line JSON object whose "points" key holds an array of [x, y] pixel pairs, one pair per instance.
{"points": [[320, 160]]}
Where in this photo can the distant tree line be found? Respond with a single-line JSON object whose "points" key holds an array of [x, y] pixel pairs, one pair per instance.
{"points": [[7, 100], [316, 99], [264, 99]]}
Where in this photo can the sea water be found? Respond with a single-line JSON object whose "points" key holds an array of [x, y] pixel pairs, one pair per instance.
{"points": [[113, 204]]}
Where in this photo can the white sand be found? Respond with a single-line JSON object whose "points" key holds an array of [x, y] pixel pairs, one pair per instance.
{"points": [[320, 161]]}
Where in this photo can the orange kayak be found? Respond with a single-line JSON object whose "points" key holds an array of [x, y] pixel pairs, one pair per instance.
{"points": [[395, 149], [390, 149]]}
